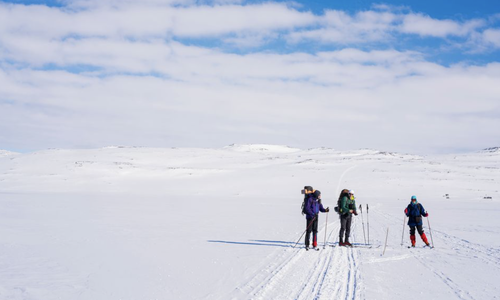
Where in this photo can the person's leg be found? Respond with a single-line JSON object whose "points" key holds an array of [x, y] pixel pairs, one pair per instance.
{"points": [[308, 232], [343, 221], [348, 229], [315, 232], [422, 234], [412, 236]]}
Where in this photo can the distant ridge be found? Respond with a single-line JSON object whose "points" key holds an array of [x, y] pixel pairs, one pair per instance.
{"points": [[492, 149], [7, 153], [264, 148]]}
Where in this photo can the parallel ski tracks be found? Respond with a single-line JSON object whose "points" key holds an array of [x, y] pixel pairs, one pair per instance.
{"points": [[490, 256], [331, 273], [455, 288]]}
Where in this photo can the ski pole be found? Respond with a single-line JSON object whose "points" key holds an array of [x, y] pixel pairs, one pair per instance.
{"points": [[368, 224], [363, 222], [387, 234], [326, 230], [310, 223], [403, 234], [430, 231]]}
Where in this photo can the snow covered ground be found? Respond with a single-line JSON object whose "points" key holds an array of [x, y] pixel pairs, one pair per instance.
{"points": [[143, 223]]}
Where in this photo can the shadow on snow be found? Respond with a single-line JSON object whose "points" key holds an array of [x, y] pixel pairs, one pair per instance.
{"points": [[257, 243]]}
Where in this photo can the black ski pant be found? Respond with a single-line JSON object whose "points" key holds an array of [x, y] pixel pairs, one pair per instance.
{"points": [[312, 226], [345, 227], [419, 229]]}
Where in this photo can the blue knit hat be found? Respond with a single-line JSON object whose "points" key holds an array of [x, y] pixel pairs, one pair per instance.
{"points": [[413, 197]]}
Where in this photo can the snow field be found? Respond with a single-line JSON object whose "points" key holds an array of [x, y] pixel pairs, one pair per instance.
{"points": [[142, 223]]}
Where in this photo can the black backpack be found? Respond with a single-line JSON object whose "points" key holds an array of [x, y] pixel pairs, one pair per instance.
{"points": [[304, 204], [303, 207], [337, 208]]}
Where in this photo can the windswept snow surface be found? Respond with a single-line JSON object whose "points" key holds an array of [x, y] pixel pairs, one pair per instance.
{"points": [[142, 223]]}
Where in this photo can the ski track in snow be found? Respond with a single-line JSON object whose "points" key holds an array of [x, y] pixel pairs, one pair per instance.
{"points": [[330, 273], [459, 247], [461, 294], [463, 248]]}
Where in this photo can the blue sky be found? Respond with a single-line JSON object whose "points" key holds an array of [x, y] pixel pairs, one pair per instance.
{"points": [[398, 76], [436, 8]]}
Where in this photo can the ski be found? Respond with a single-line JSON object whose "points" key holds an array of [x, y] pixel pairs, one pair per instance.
{"points": [[362, 246], [313, 248], [354, 246]]}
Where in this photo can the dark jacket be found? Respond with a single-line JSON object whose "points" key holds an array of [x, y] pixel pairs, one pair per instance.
{"points": [[414, 212], [346, 204], [313, 206]]}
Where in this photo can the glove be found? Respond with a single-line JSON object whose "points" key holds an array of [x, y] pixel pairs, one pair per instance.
{"points": [[426, 214], [327, 209], [355, 213]]}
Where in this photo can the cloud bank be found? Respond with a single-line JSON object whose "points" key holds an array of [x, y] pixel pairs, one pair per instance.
{"points": [[184, 73]]}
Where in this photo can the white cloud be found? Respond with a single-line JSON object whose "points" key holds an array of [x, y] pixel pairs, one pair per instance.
{"points": [[492, 36], [341, 28], [250, 40], [205, 20], [93, 4], [383, 26], [426, 26], [158, 19], [366, 95], [147, 21]]}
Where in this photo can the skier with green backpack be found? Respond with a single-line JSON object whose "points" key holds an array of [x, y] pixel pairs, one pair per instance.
{"points": [[346, 208]]}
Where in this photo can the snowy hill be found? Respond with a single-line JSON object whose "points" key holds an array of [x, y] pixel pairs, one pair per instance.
{"points": [[262, 148], [492, 150], [188, 223], [7, 153]]}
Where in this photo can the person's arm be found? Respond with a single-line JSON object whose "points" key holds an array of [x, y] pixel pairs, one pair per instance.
{"points": [[322, 209], [354, 211], [422, 211]]}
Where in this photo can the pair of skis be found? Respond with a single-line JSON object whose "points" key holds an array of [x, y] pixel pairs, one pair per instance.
{"points": [[424, 246], [430, 231], [313, 248]]}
